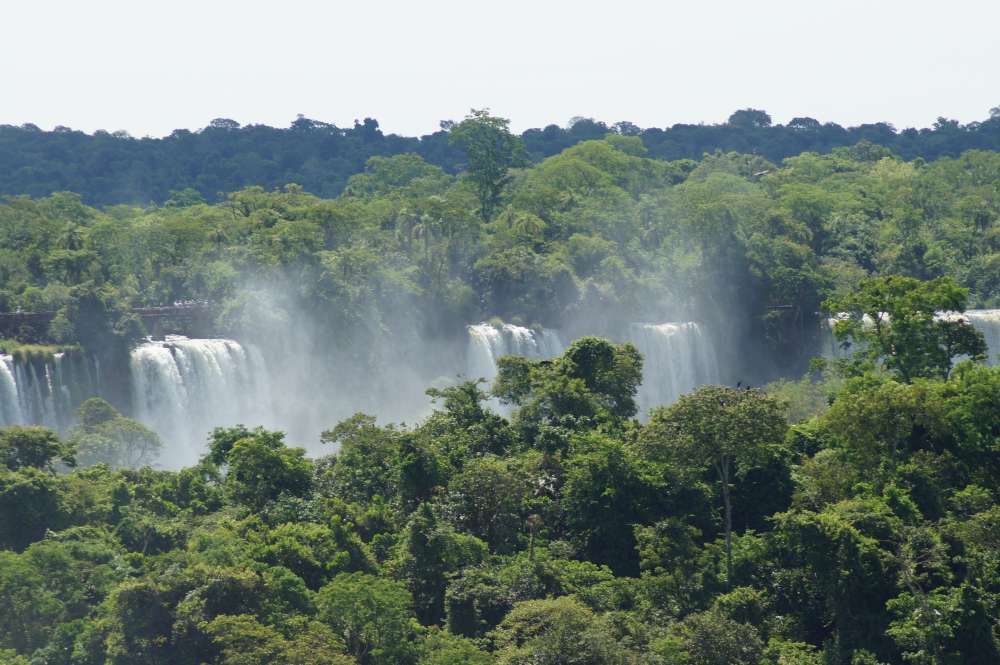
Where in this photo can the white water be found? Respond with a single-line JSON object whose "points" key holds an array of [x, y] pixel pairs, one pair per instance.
{"points": [[10, 400], [677, 358], [987, 321], [488, 342], [45, 391], [183, 388], [831, 348]]}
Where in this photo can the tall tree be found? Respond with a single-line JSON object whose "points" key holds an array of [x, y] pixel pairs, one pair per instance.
{"points": [[730, 431], [491, 151]]}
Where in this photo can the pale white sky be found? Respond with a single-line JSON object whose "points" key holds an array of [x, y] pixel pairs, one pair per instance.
{"points": [[149, 67]]}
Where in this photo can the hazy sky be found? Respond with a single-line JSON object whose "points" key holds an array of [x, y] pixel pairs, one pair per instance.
{"points": [[149, 67]]}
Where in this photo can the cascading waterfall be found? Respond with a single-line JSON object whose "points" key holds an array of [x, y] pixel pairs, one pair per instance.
{"points": [[45, 390], [10, 400], [183, 388], [487, 342], [987, 321], [677, 358]]}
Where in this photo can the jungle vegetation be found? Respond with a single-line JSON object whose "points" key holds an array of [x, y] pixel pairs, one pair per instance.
{"points": [[847, 518]]}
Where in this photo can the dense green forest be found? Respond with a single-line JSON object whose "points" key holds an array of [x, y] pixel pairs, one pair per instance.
{"points": [[847, 517], [112, 167], [859, 527], [601, 228]]}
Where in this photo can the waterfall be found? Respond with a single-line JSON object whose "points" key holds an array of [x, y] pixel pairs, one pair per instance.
{"points": [[677, 358], [10, 400], [45, 390], [183, 388], [987, 321], [487, 342], [830, 348]]}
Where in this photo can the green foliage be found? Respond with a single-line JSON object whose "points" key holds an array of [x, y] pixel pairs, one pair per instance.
{"points": [[442, 648], [372, 615], [259, 473], [33, 447], [607, 492], [708, 638], [868, 532], [895, 322], [593, 541], [30, 503], [363, 467], [727, 431], [245, 641], [560, 631], [104, 436], [186, 167], [490, 150], [593, 381]]}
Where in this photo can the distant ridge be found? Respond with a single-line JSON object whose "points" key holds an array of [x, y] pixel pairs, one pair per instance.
{"points": [[114, 168]]}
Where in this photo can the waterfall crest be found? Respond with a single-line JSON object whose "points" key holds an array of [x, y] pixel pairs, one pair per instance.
{"points": [[183, 388], [677, 358], [488, 342]]}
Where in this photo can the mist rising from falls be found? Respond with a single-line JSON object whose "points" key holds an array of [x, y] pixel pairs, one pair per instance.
{"points": [[677, 358], [488, 342], [45, 390], [183, 388]]}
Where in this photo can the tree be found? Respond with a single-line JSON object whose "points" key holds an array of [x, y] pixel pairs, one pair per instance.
{"points": [[730, 431], [32, 501], [34, 447], [611, 371], [897, 323], [489, 498], [491, 151], [558, 631], [261, 469], [465, 426], [366, 464], [104, 436], [837, 567], [594, 380], [245, 641], [431, 551], [314, 552], [439, 647], [29, 608], [426, 546], [605, 495], [709, 638], [750, 119], [372, 615]]}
